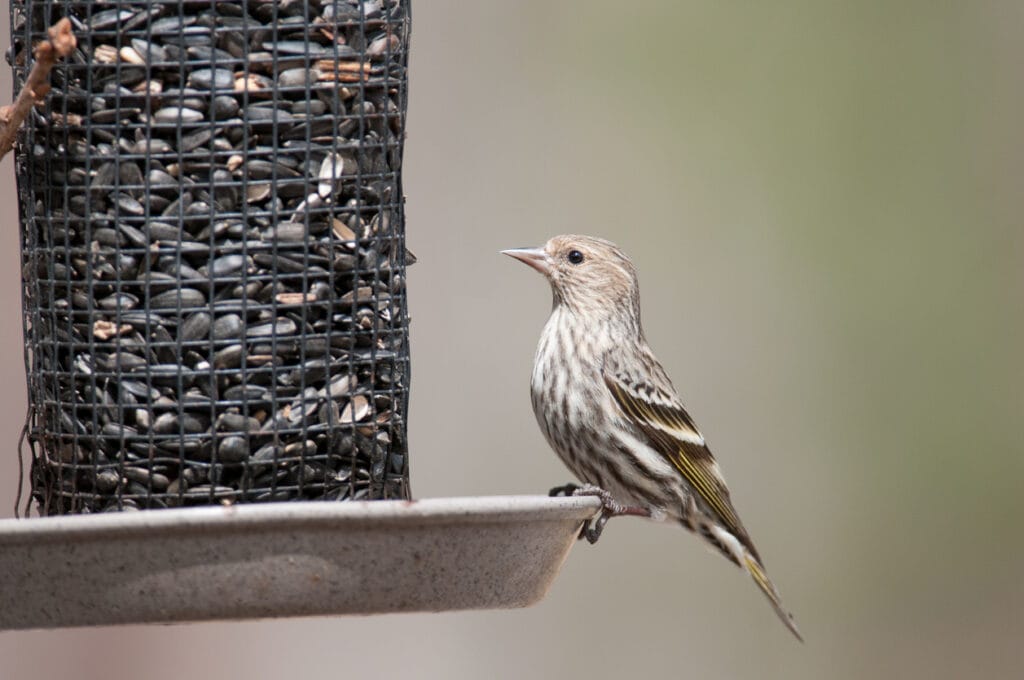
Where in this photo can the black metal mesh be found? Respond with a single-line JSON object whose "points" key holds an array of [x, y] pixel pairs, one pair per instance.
{"points": [[213, 244]]}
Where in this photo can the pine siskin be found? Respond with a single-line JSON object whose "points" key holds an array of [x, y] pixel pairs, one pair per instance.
{"points": [[610, 412]]}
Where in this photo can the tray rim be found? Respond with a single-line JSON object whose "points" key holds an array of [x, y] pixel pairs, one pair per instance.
{"points": [[310, 514]]}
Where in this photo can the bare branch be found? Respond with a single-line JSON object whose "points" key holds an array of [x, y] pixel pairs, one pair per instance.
{"points": [[60, 42]]}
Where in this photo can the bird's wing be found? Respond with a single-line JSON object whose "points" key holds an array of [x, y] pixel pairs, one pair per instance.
{"points": [[672, 433], [656, 411]]}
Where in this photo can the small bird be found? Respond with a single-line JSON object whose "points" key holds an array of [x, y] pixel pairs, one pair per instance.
{"points": [[610, 412]]}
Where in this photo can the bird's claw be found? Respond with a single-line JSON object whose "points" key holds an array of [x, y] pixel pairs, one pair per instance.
{"points": [[564, 490], [592, 530]]}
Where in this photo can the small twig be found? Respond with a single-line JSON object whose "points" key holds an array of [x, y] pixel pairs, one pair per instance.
{"points": [[59, 45]]}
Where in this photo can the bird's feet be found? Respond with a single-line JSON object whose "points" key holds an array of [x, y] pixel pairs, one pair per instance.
{"points": [[564, 490], [612, 508]]}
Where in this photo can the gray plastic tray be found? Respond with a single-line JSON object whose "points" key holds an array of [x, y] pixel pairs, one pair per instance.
{"points": [[284, 559]]}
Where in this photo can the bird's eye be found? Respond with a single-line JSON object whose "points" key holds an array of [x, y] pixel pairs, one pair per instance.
{"points": [[575, 257]]}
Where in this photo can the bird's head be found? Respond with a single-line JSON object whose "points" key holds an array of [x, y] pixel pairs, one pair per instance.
{"points": [[589, 275]]}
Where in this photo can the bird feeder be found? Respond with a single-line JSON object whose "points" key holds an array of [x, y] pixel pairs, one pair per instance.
{"points": [[214, 260], [214, 304]]}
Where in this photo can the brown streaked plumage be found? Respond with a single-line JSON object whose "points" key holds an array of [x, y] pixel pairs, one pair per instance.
{"points": [[610, 412]]}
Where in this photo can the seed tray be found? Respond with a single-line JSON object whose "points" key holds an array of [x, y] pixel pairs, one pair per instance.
{"points": [[284, 559]]}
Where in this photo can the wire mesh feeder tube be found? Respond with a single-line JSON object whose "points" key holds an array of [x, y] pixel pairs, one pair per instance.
{"points": [[212, 235]]}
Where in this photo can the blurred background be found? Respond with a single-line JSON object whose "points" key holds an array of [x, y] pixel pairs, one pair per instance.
{"points": [[823, 200]]}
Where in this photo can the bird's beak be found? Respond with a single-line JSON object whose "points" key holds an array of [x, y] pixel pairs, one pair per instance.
{"points": [[535, 257]]}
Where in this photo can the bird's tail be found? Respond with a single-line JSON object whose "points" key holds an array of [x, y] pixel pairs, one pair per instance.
{"points": [[771, 592], [743, 556]]}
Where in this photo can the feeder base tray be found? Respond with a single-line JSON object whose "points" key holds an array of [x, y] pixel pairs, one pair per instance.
{"points": [[284, 559]]}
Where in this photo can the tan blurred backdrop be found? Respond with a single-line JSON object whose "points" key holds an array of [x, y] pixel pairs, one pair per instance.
{"points": [[824, 203]]}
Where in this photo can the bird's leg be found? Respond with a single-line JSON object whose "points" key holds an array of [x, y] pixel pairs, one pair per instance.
{"points": [[612, 508], [564, 490]]}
